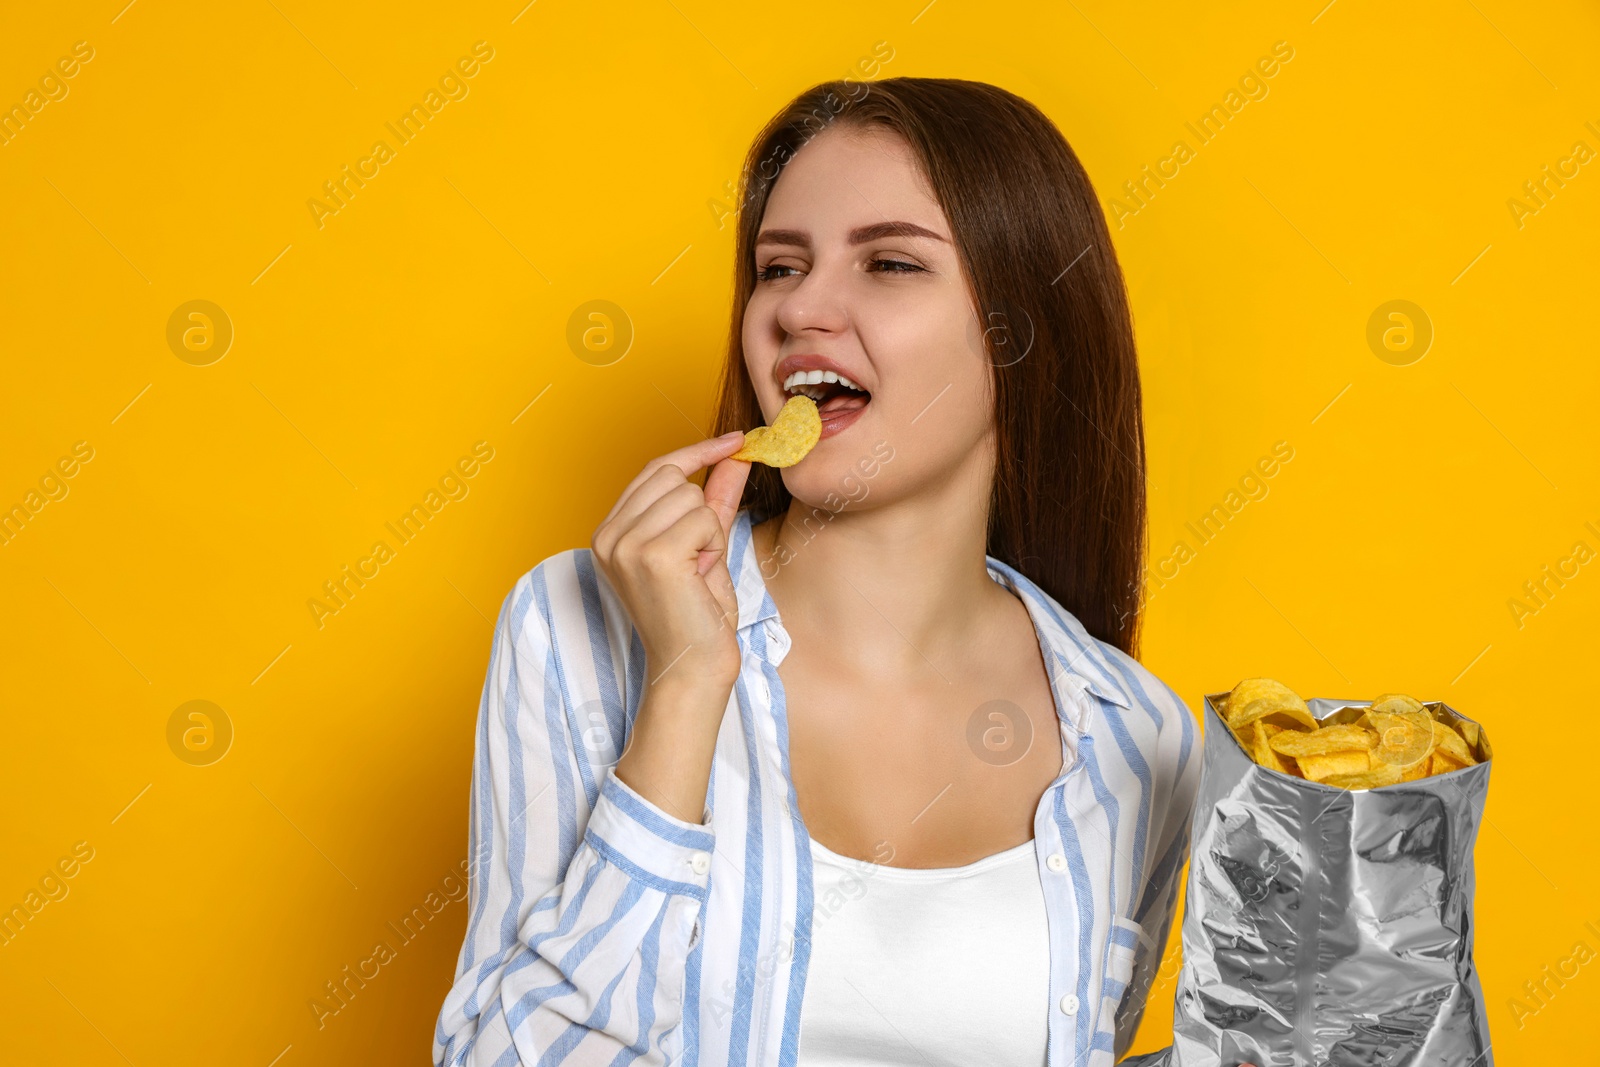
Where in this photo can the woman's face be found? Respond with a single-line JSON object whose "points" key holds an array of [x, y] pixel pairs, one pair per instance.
{"points": [[856, 273]]}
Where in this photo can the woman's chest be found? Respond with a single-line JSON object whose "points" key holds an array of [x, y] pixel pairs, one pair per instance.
{"points": [[927, 967], [934, 773], [748, 972]]}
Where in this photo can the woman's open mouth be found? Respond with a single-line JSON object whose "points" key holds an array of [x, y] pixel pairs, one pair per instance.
{"points": [[840, 401]]}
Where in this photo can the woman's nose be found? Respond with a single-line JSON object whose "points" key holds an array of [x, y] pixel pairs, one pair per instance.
{"points": [[819, 302]]}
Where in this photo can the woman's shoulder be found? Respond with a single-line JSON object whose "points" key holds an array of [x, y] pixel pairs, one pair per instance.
{"points": [[1161, 727], [1140, 682], [1145, 712], [1164, 718]]}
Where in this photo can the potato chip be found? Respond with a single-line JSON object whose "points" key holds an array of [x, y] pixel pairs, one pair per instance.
{"points": [[1272, 710], [1397, 738], [1316, 768], [1253, 689], [1341, 738], [1451, 744], [1441, 763], [1381, 774], [1397, 703], [1405, 737], [1260, 733], [795, 432]]}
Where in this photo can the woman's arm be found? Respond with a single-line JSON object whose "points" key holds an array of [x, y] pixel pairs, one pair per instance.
{"points": [[580, 921], [1176, 756], [587, 887]]}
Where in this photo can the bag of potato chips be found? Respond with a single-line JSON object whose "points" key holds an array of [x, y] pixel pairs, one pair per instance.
{"points": [[1328, 918]]}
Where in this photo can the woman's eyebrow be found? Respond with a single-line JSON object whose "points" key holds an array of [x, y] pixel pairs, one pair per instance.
{"points": [[860, 235]]}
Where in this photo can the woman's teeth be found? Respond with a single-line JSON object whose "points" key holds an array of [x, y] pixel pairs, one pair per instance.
{"points": [[801, 381]]}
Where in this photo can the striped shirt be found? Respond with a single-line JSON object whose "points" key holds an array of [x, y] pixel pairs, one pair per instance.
{"points": [[602, 931]]}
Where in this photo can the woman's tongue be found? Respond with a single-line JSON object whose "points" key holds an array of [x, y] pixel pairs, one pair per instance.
{"points": [[842, 401]]}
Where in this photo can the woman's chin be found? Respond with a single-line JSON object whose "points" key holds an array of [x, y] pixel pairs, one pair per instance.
{"points": [[840, 470]]}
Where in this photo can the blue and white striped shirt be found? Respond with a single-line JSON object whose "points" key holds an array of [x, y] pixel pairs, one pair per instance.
{"points": [[603, 931]]}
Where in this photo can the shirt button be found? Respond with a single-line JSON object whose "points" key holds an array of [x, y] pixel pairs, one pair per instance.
{"points": [[1056, 862], [700, 862], [1069, 1004]]}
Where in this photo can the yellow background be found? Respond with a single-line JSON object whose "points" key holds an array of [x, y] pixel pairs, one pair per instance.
{"points": [[373, 352]]}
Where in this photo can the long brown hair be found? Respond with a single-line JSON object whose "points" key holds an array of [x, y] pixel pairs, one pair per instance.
{"points": [[1067, 507]]}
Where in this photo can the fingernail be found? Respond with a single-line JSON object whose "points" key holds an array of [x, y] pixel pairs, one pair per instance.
{"points": [[731, 434]]}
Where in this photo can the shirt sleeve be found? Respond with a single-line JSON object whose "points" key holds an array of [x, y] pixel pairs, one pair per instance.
{"points": [[580, 919], [1178, 753]]}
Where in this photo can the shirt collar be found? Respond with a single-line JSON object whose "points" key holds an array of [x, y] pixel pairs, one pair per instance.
{"points": [[750, 585], [1076, 651]]}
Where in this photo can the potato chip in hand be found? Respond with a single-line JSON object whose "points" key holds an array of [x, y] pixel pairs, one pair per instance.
{"points": [[795, 432]]}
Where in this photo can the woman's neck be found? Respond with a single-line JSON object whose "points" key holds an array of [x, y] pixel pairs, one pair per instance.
{"points": [[891, 589]]}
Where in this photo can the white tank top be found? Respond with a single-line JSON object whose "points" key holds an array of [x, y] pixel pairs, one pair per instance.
{"points": [[945, 966]]}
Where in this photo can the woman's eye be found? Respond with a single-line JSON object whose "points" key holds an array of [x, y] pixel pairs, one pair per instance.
{"points": [[774, 271]]}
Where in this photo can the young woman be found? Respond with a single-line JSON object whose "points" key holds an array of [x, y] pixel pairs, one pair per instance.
{"points": [[851, 762]]}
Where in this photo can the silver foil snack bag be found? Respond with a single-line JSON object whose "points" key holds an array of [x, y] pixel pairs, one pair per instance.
{"points": [[1326, 927]]}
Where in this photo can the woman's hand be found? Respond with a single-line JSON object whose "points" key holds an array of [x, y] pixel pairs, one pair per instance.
{"points": [[664, 549]]}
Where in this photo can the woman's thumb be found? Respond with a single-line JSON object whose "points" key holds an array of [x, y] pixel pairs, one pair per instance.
{"points": [[724, 489]]}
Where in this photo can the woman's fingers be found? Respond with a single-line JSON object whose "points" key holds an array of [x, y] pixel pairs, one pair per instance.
{"points": [[689, 459], [672, 502], [681, 541], [724, 489], [630, 509], [649, 546], [725, 486]]}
